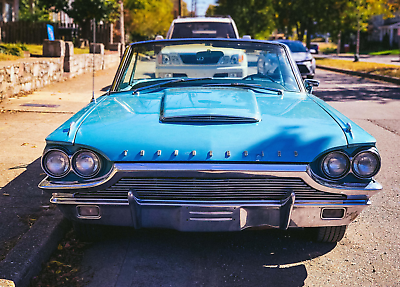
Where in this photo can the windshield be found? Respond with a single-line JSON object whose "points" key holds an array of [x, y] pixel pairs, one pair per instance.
{"points": [[203, 30], [206, 63], [295, 46]]}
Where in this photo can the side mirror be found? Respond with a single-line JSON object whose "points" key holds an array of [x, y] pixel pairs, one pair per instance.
{"points": [[313, 51], [247, 37], [310, 84], [159, 37]]}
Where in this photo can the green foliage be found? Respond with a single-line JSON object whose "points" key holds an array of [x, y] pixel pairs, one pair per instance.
{"points": [[144, 19], [34, 13], [13, 49], [84, 10], [252, 17], [210, 10]]}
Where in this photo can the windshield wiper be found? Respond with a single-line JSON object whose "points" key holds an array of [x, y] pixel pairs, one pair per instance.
{"points": [[163, 84], [250, 86]]}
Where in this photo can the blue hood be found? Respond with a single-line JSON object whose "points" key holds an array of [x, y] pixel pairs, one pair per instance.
{"points": [[288, 128]]}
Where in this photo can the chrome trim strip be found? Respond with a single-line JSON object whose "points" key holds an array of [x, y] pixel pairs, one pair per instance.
{"points": [[279, 170]]}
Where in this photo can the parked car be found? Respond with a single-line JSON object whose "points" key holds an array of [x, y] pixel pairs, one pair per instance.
{"points": [[304, 59], [314, 48], [201, 61], [210, 153], [203, 27]]}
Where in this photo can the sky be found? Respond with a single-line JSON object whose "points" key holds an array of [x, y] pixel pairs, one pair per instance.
{"points": [[202, 5]]}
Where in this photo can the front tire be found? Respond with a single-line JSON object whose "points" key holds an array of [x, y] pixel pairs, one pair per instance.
{"points": [[330, 234]]}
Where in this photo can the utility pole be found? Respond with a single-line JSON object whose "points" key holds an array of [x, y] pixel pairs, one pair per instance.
{"points": [[194, 6], [180, 8], [121, 25]]}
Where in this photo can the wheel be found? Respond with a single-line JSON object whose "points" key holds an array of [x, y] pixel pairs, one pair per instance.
{"points": [[330, 233], [88, 232]]}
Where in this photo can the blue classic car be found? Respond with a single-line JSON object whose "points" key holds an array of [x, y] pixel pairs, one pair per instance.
{"points": [[217, 153]]}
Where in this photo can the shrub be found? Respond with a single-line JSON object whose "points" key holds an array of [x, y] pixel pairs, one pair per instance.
{"points": [[13, 49]]}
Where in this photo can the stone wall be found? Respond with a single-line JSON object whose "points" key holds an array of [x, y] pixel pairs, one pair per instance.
{"points": [[78, 64], [25, 75]]}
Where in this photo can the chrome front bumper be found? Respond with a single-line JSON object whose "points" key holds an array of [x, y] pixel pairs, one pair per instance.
{"points": [[201, 215]]}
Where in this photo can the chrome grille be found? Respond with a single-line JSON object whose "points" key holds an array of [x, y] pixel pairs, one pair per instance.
{"points": [[215, 189]]}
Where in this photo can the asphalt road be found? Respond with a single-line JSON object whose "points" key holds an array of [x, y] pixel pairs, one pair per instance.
{"points": [[367, 256]]}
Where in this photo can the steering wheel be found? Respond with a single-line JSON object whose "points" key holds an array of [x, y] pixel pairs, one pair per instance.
{"points": [[261, 76]]}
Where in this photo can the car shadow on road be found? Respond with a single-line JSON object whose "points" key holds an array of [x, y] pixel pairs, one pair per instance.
{"points": [[170, 258], [21, 204], [347, 88]]}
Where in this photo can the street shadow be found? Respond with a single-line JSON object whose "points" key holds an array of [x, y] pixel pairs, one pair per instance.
{"points": [[343, 88], [248, 258], [21, 204]]}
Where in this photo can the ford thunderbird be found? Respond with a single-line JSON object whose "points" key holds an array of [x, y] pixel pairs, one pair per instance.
{"points": [[214, 151]]}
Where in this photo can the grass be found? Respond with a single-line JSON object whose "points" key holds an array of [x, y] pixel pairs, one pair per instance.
{"points": [[38, 49], [34, 49], [366, 67], [387, 52]]}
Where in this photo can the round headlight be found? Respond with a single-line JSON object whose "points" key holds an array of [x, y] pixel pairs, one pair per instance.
{"points": [[86, 163], [366, 164], [335, 165], [56, 163]]}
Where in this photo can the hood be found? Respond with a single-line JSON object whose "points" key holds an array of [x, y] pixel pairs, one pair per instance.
{"points": [[301, 56], [291, 128], [211, 105]]}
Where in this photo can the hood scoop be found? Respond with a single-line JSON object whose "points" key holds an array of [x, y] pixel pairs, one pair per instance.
{"points": [[209, 105]]}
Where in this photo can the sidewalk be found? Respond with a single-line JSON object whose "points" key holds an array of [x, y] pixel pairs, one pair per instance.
{"points": [[383, 59], [24, 124]]}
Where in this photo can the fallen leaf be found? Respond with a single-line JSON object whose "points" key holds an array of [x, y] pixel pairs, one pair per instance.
{"points": [[34, 146], [6, 194], [24, 144]]}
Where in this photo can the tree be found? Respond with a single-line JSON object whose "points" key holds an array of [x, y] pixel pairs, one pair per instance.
{"points": [[360, 12], [308, 16], [252, 17], [83, 11], [210, 10], [147, 18], [33, 11]]}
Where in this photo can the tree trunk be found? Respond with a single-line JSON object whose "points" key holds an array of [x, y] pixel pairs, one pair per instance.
{"points": [[339, 43], [85, 29], [300, 32]]}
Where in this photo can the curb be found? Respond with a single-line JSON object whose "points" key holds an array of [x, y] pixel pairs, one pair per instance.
{"points": [[25, 260], [361, 74]]}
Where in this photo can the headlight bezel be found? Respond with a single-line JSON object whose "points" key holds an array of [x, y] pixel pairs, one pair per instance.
{"points": [[342, 175], [373, 152], [351, 174], [71, 155], [45, 168], [76, 171]]}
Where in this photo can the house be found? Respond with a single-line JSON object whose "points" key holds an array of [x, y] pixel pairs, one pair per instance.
{"points": [[9, 10], [380, 27]]}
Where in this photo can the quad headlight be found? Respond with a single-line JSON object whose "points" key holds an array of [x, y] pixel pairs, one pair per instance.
{"points": [[366, 163], [335, 165], [86, 163], [56, 163], [169, 59]]}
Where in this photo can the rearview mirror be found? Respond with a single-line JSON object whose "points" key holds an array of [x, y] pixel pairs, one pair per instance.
{"points": [[310, 84]]}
